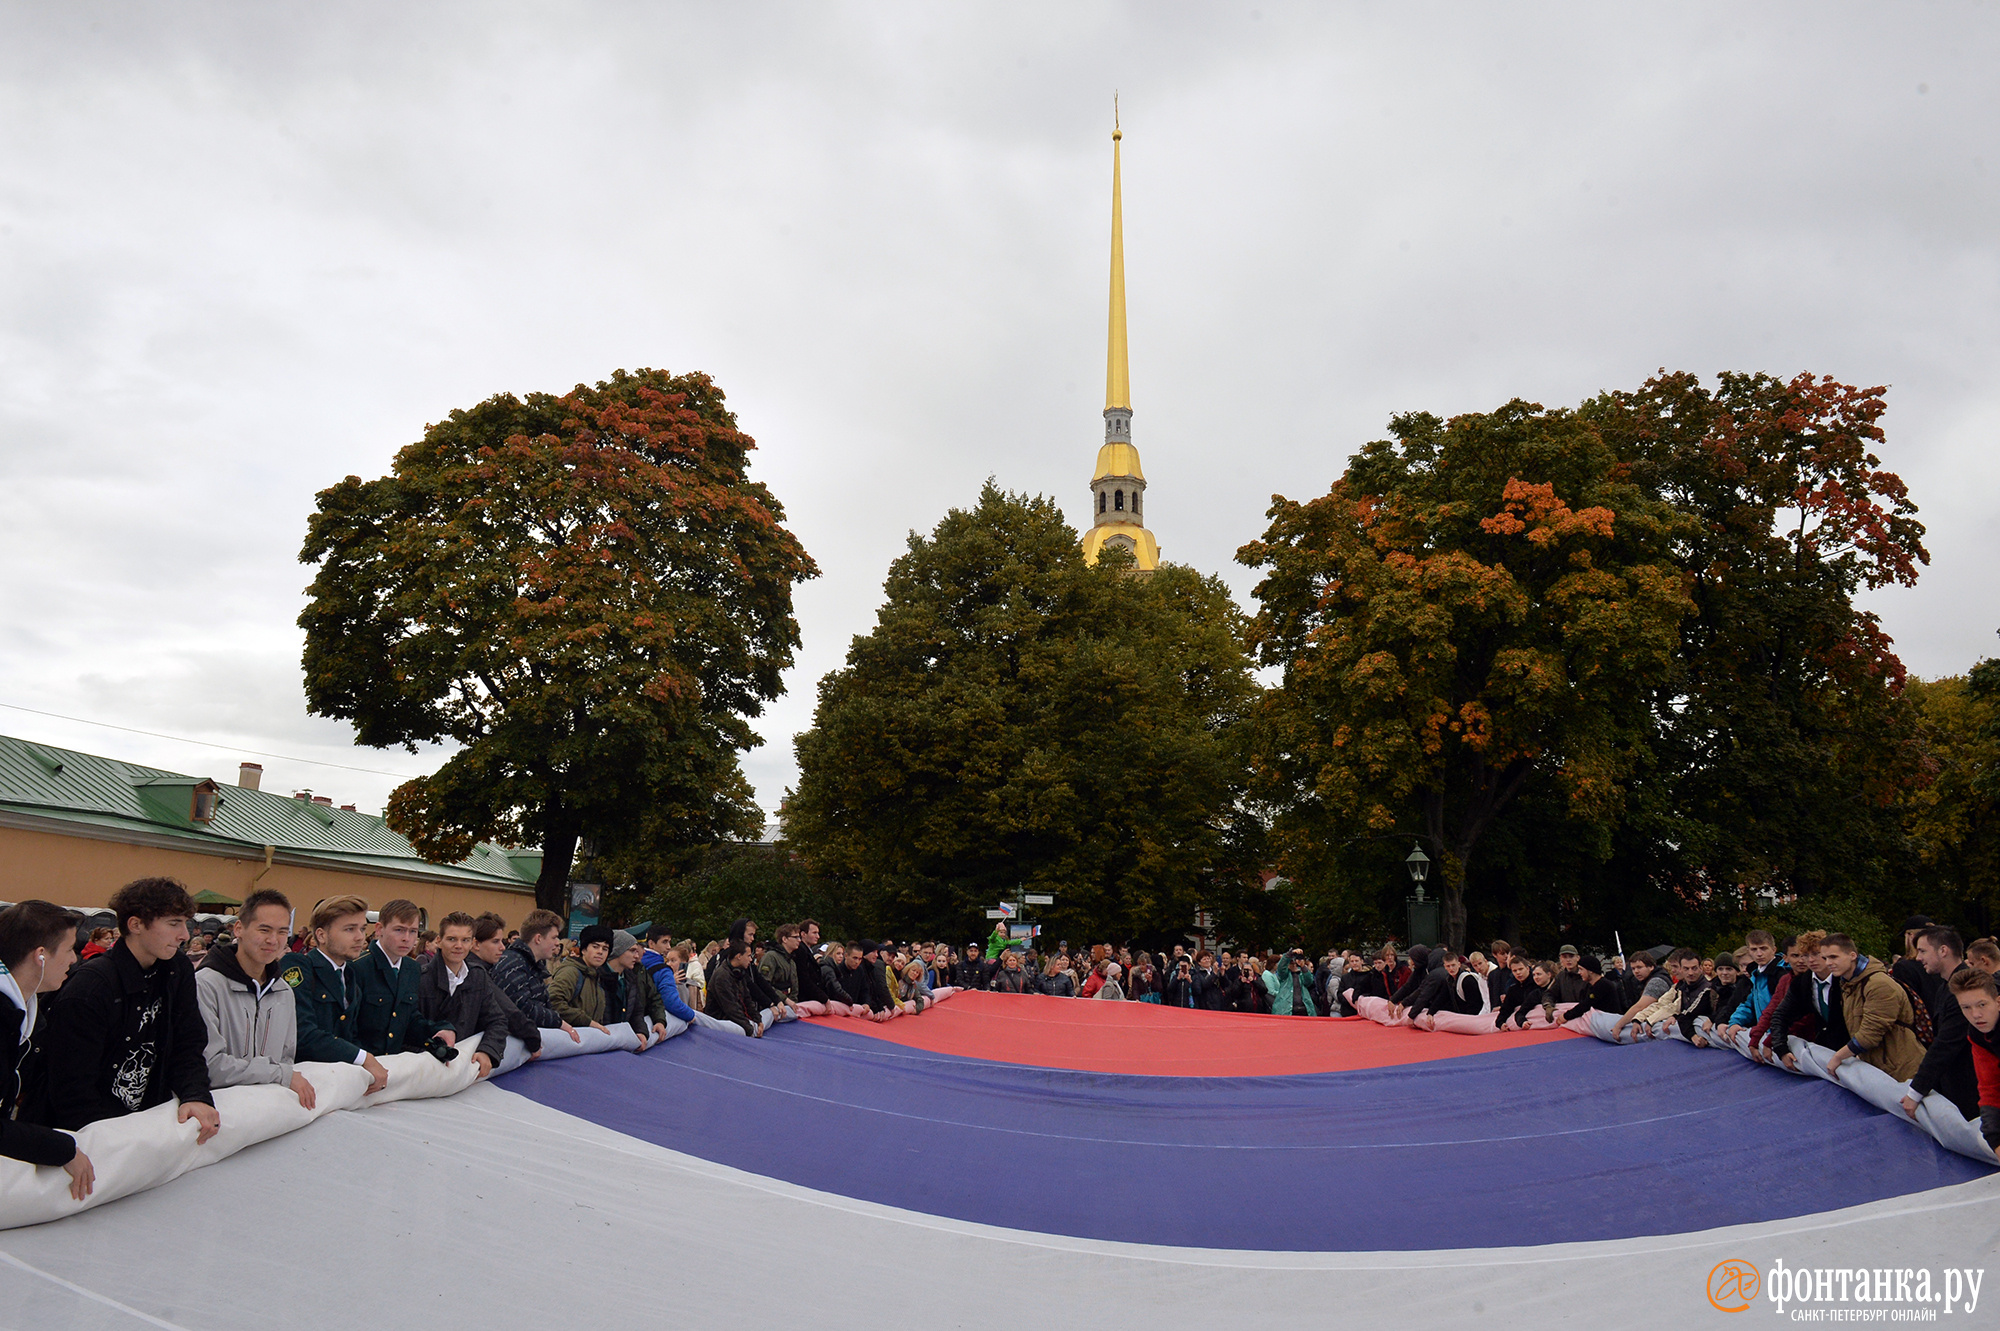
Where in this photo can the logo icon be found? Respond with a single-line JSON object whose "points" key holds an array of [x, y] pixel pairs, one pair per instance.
{"points": [[1733, 1285]]}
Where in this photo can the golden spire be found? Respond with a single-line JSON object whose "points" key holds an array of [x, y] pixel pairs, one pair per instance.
{"points": [[1117, 377]]}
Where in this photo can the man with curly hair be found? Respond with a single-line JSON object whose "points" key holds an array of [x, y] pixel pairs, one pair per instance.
{"points": [[128, 1033]]}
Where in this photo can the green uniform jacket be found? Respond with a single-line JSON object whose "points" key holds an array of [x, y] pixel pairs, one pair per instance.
{"points": [[325, 1008], [390, 1021], [781, 971]]}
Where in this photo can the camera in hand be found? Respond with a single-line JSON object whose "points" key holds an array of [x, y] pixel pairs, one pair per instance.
{"points": [[439, 1050]]}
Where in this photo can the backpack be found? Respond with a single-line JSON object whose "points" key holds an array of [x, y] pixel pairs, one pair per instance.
{"points": [[1920, 1016]]}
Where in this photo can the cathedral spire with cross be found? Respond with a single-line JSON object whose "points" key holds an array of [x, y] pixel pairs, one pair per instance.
{"points": [[1117, 489]]}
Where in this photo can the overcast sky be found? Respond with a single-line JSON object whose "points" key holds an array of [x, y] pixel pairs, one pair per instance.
{"points": [[247, 250]]}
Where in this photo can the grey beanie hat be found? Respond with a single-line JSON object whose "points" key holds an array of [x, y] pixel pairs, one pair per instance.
{"points": [[622, 942]]}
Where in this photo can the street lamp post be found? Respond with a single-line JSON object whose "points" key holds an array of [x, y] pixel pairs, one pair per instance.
{"points": [[1423, 913]]}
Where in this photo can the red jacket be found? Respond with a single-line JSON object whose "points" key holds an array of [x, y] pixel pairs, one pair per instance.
{"points": [[1986, 1067], [1806, 1026]]}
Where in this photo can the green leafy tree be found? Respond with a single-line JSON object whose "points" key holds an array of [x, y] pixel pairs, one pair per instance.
{"points": [[1019, 718], [1474, 605], [765, 883], [1954, 820], [588, 594]]}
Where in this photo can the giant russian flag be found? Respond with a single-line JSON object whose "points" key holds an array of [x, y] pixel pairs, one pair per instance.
{"points": [[1002, 1157]]}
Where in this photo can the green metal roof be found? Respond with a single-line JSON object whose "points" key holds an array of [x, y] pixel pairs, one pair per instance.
{"points": [[85, 789]]}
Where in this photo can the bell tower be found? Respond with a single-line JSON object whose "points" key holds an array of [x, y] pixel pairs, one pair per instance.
{"points": [[1117, 490]]}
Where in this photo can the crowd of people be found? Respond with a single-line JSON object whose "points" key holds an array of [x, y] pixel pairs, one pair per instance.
{"points": [[1926, 1017], [157, 1012]]}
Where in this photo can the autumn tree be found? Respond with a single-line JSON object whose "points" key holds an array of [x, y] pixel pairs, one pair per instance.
{"points": [[1474, 605], [588, 595], [1783, 740], [1019, 718]]}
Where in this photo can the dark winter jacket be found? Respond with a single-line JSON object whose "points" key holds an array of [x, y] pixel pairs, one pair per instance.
{"points": [[1207, 989], [970, 972], [1366, 982], [644, 1007], [1568, 987], [1009, 981], [850, 983], [726, 999], [526, 982], [1058, 984], [1730, 1001], [122, 1039], [1191, 991], [880, 996], [518, 1024], [1432, 992], [20, 1063], [1947, 1066], [812, 979], [1628, 989], [1603, 995], [1410, 988], [1698, 999], [1522, 999], [829, 979], [471, 1013]]}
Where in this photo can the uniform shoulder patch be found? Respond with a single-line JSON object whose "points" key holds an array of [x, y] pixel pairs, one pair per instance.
{"points": [[295, 976]]}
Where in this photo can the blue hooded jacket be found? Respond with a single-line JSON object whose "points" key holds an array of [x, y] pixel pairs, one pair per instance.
{"points": [[1763, 979], [662, 972]]}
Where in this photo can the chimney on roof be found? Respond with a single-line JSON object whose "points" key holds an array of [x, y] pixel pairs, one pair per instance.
{"points": [[323, 799], [305, 795], [250, 776], [348, 808]]}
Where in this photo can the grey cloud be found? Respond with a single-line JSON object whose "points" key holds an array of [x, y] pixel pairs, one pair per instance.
{"points": [[246, 250]]}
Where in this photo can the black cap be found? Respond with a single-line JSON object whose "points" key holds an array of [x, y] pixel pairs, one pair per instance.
{"points": [[594, 933], [1587, 962], [1916, 922]]}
